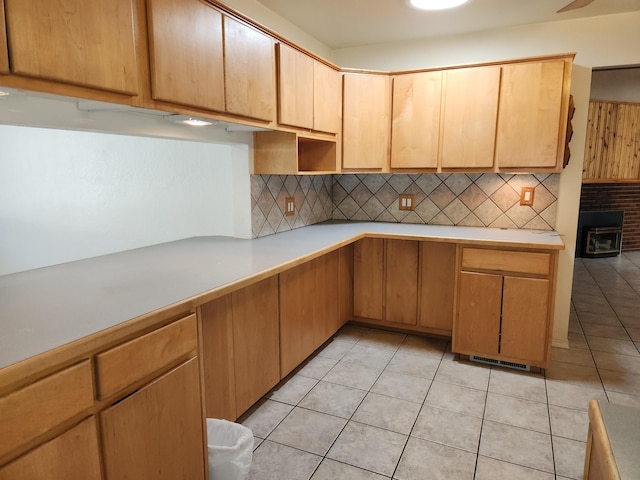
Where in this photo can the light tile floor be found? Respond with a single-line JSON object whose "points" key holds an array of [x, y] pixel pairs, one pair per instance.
{"points": [[378, 405]]}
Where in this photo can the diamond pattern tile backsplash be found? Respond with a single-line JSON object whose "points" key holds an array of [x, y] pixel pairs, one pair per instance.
{"points": [[482, 200], [477, 200], [268, 198]]}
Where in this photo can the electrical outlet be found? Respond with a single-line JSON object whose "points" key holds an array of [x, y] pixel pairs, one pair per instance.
{"points": [[526, 196], [290, 206], [406, 202]]}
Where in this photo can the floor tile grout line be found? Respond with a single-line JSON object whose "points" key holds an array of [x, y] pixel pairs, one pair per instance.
{"points": [[419, 411]]}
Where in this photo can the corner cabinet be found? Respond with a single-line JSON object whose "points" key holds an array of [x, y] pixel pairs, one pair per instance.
{"points": [[309, 92], [366, 122], [404, 283], [504, 304], [90, 44], [4, 52], [187, 69]]}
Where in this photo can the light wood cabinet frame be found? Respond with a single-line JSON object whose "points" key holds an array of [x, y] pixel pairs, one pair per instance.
{"points": [[90, 44], [4, 49]]}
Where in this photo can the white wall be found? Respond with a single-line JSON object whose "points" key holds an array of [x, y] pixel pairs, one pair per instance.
{"points": [[68, 195], [618, 85], [267, 17], [598, 41]]}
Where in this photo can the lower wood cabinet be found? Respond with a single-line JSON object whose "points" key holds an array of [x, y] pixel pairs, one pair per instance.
{"points": [[404, 283], [240, 345], [504, 304], [309, 309], [158, 431], [74, 455], [437, 286]]}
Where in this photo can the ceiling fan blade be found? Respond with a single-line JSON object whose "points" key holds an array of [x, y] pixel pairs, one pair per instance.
{"points": [[575, 5]]}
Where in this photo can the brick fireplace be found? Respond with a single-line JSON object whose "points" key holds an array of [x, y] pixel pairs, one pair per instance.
{"points": [[616, 196]]}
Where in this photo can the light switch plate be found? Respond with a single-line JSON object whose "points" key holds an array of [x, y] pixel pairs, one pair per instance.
{"points": [[526, 196], [406, 202], [290, 206]]}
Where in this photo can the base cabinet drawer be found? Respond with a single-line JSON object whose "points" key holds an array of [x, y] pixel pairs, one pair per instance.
{"points": [[47, 403], [132, 361]]}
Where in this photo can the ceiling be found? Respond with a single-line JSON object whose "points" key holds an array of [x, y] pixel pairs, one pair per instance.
{"points": [[350, 23]]}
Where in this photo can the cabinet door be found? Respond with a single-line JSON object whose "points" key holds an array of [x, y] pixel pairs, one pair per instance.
{"points": [[416, 120], [529, 123], [325, 311], [186, 68], [297, 302], [368, 277], [74, 455], [477, 326], [327, 98], [437, 285], [366, 123], [295, 87], [4, 52], [525, 313], [345, 282], [469, 117], [255, 341], [218, 359], [158, 431], [249, 79], [91, 44], [401, 284]]}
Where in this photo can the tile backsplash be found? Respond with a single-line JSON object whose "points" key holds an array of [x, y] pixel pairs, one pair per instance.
{"points": [[484, 200], [478, 200], [268, 198]]}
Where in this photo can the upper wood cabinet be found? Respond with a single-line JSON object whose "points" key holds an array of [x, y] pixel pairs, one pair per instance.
{"points": [[415, 124], [91, 44], [366, 121], [470, 109], [249, 77], [4, 53], [327, 98], [532, 116], [309, 92], [186, 66], [295, 87]]}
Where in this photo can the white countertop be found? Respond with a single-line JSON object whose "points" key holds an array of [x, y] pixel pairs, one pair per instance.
{"points": [[623, 429], [48, 307]]}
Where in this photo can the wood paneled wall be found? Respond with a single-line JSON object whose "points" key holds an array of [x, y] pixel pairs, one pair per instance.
{"points": [[612, 151]]}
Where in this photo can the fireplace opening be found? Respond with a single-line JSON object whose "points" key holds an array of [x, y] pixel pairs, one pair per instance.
{"points": [[602, 241], [599, 234]]}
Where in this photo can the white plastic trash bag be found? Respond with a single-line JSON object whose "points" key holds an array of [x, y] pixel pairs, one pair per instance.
{"points": [[230, 450]]}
